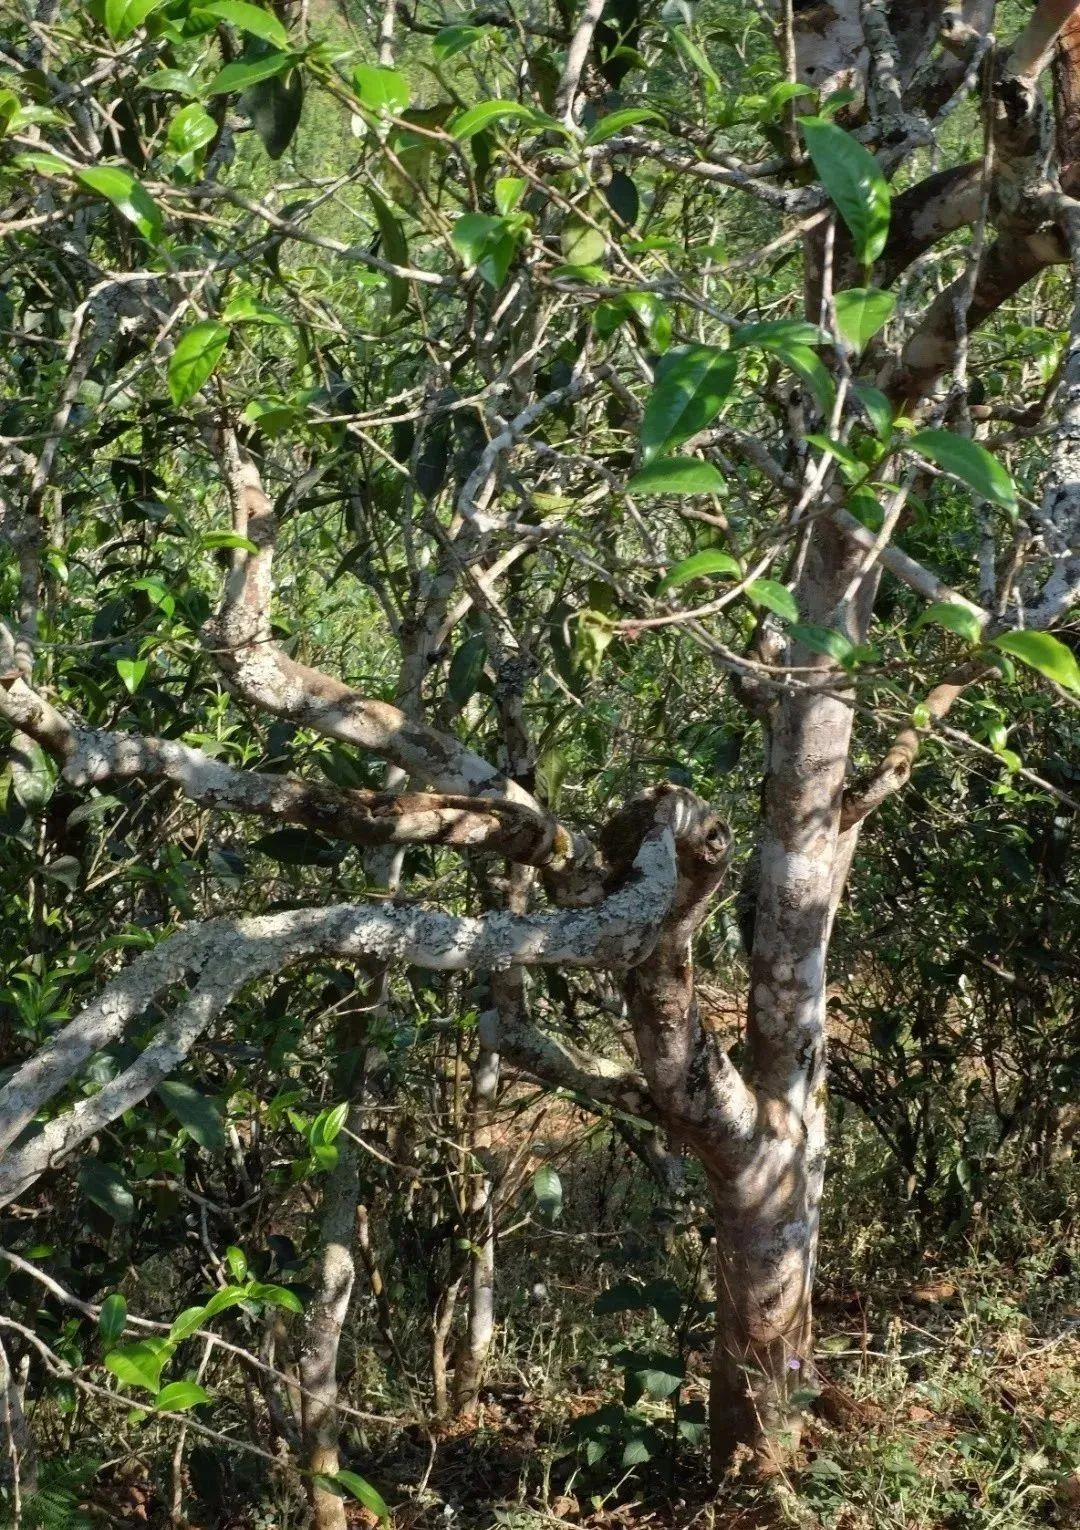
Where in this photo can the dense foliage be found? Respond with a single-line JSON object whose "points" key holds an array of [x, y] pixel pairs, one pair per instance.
{"points": [[429, 437]]}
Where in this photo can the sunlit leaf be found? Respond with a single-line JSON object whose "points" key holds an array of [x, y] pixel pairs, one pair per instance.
{"points": [[973, 464], [852, 177], [711, 563], [248, 18], [194, 358], [677, 475], [1045, 653], [129, 198]]}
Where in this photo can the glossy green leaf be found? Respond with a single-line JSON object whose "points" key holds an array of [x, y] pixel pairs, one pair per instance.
{"points": [[810, 370], [878, 408], [221, 1301], [709, 564], [248, 72], [486, 243], [677, 475], [381, 90], [486, 114], [274, 1296], [852, 177], [248, 18], [214, 539], [197, 1113], [188, 1322], [970, 462], [356, 1487], [197, 353], [861, 312], [174, 80], [774, 597], [132, 672], [779, 332], [140, 1364], [616, 122], [236, 1259], [1043, 652], [179, 1395], [122, 17], [129, 198], [959, 619], [825, 640], [112, 1318], [191, 129], [453, 40], [691, 385]]}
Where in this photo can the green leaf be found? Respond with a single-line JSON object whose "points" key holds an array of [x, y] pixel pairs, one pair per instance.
{"points": [[245, 308], [827, 640], [774, 597], [466, 669], [395, 248], [615, 122], [112, 1317], [179, 1395], [779, 332], [677, 475], [700, 565], [690, 387], [132, 672], [42, 164], [106, 1187], [583, 244], [957, 618], [248, 72], [381, 90], [191, 129], [453, 40], [878, 408], [509, 190], [249, 18], [214, 539], [299, 847], [861, 312], [139, 1365], [197, 353], [477, 118], [1044, 652], [274, 1296], [487, 243], [852, 177], [129, 198], [357, 1487], [547, 1187], [196, 1112], [970, 462], [189, 1322], [809, 369], [174, 80], [236, 1259], [650, 1375], [122, 17], [221, 1301], [275, 106]]}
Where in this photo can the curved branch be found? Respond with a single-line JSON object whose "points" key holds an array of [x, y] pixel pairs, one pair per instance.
{"points": [[228, 953]]}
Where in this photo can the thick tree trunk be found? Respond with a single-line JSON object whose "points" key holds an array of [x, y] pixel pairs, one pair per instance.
{"points": [[764, 1273], [768, 1207]]}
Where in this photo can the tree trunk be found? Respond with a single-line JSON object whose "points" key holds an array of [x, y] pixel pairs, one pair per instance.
{"points": [[764, 1274], [323, 1328], [768, 1210], [480, 1323]]}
